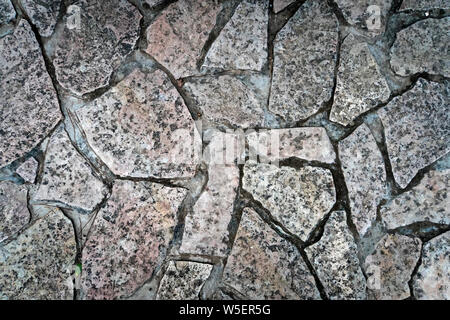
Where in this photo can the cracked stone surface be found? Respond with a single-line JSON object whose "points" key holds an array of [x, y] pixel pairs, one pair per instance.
{"points": [[424, 5], [28, 170], [432, 279], [279, 5], [417, 128], [335, 260], [263, 265], [422, 47], [391, 266], [14, 213], [43, 14], [7, 12], [365, 176], [360, 84]]}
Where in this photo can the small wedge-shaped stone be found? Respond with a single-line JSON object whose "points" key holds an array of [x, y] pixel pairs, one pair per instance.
{"points": [[177, 36], [29, 105], [422, 47], [279, 5], [365, 176], [242, 43], [432, 281], [129, 238], [68, 180], [360, 84], [14, 213], [183, 280], [38, 264], [43, 14], [7, 12], [305, 53], [335, 260], [28, 170], [428, 201], [263, 265], [142, 128], [298, 199], [390, 266], [417, 126], [424, 4], [96, 37]]}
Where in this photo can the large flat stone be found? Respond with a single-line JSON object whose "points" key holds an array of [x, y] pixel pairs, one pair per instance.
{"points": [[7, 12], [29, 103], [416, 126], [14, 213], [424, 5], [263, 265], [43, 14]]}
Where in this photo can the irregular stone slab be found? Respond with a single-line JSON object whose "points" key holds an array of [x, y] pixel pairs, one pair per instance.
{"points": [[242, 43], [422, 47], [38, 264], [279, 5], [390, 267], [129, 238], [416, 126], [360, 84], [432, 281], [305, 52], [68, 179], [177, 36], [30, 108], [142, 128], [43, 14], [228, 100], [298, 199], [263, 265], [424, 5], [183, 280], [28, 170], [311, 144], [14, 213], [365, 176], [335, 260], [97, 36], [7, 12], [428, 201]]}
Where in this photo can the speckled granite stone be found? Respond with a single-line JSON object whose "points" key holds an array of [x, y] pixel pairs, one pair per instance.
{"points": [[68, 180], [424, 4], [432, 281], [262, 265], [177, 36], [279, 5], [304, 62], [298, 199], [360, 84], [335, 260], [416, 125], [43, 14], [390, 267], [428, 201], [7, 12], [87, 54], [365, 176], [242, 43], [14, 214], [28, 170], [37, 265], [129, 238], [29, 104], [142, 128], [422, 47], [183, 280]]}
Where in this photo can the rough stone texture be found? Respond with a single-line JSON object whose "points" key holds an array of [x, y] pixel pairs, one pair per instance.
{"points": [[432, 281], [183, 280], [298, 199], [153, 3], [335, 260], [7, 12], [424, 5], [417, 126], [142, 128], [43, 14], [96, 37], [177, 36], [279, 5], [262, 265], [390, 267], [428, 201], [129, 238], [242, 43], [422, 47], [14, 213], [28, 170], [365, 176], [304, 62], [37, 265], [68, 180], [29, 109], [360, 84]]}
